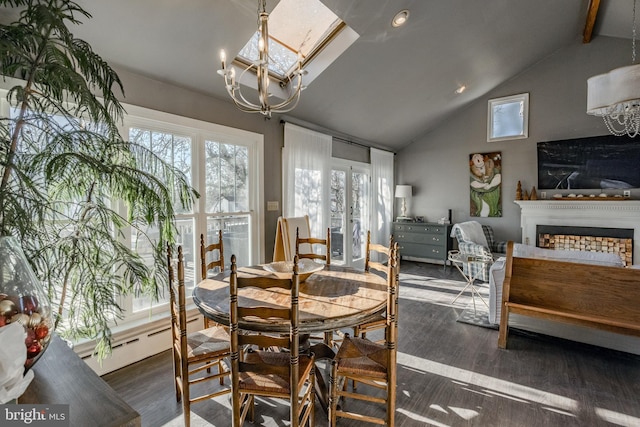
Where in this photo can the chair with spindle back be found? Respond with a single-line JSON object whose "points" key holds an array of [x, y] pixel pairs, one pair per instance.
{"points": [[196, 351], [265, 365], [371, 363], [310, 241], [206, 266], [381, 254]]}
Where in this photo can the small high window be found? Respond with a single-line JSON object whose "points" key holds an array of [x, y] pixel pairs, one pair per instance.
{"points": [[508, 118]]}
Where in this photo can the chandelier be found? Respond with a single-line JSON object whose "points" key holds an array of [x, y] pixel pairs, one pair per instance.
{"points": [[615, 96], [292, 85]]}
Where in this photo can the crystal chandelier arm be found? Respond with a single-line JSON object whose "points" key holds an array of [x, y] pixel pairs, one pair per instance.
{"points": [[624, 124], [615, 96]]}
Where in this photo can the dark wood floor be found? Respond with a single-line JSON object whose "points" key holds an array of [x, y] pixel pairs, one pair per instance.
{"points": [[449, 374]]}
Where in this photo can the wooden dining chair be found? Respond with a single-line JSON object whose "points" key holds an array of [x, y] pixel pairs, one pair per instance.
{"points": [[205, 249], [195, 352], [281, 372], [310, 242], [381, 254], [206, 266], [368, 362]]}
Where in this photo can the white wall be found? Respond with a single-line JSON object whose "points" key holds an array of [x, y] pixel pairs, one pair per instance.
{"points": [[437, 163]]}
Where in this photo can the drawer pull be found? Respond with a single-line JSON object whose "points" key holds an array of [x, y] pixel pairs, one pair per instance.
{"points": [[436, 239]]}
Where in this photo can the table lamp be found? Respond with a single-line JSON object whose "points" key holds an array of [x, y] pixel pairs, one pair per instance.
{"points": [[403, 192]]}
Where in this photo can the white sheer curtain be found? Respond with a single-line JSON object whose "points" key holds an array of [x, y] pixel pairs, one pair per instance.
{"points": [[306, 169], [381, 201]]}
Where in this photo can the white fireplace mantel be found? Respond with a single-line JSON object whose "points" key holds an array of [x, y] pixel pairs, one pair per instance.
{"points": [[580, 213]]}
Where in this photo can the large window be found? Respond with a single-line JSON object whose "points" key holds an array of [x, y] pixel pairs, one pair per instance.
{"points": [[176, 150], [225, 166], [227, 198]]}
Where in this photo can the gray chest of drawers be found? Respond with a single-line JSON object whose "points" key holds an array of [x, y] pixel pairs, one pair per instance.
{"points": [[423, 240]]}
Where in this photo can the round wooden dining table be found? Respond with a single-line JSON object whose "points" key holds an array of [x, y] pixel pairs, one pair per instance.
{"points": [[330, 299]]}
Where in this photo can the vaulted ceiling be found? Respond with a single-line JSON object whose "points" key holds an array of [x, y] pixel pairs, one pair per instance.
{"points": [[391, 86]]}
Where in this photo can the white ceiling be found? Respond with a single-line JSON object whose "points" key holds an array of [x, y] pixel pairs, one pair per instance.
{"points": [[391, 86]]}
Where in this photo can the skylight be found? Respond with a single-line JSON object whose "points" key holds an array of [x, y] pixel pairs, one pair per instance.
{"points": [[296, 27]]}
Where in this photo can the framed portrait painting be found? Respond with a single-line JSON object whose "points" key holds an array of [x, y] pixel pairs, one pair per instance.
{"points": [[485, 184]]}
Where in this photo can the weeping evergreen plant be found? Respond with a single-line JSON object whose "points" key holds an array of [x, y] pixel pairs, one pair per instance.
{"points": [[69, 183]]}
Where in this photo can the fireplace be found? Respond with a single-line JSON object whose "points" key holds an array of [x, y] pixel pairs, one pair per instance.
{"points": [[613, 219], [591, 239]]}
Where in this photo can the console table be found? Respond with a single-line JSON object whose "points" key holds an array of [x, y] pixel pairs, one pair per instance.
{"points": [[61, 377], [423, 240]]}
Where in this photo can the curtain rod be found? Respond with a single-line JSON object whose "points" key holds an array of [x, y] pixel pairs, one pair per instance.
{"points": [[350, 142], [331, 134]]}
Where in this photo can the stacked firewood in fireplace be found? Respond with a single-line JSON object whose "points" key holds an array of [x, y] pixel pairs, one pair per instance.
{"points": [[622, 247]]}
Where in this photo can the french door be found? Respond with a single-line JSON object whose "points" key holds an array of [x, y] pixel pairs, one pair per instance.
{"points": [[349, 212]]}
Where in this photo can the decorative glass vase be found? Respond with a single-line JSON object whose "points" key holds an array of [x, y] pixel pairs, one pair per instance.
{"points": [[23, 299]]}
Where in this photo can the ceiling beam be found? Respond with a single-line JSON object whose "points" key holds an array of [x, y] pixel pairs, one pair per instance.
{"points": [[592, 12]]}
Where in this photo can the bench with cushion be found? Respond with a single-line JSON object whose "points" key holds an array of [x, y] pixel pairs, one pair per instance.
{"points": [[594, 296], [497, 271]]}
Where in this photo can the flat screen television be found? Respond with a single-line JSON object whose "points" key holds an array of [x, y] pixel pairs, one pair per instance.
{"points": [[599, 162]]}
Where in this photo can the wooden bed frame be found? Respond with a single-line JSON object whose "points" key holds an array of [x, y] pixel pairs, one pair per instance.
{"points": [[590, 295]]}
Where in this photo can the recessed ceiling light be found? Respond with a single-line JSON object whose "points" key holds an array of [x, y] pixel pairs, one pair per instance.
{"points": [[400, 18]]}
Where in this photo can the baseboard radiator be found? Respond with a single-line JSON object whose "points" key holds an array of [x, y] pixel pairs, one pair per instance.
{"points": [[136, 344]]}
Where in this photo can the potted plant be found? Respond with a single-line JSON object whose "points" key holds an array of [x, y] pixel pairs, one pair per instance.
{"points": [[69, 183]]}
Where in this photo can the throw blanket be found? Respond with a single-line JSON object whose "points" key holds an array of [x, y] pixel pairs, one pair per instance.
{"points": [[285, 245], [471, 231]]}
